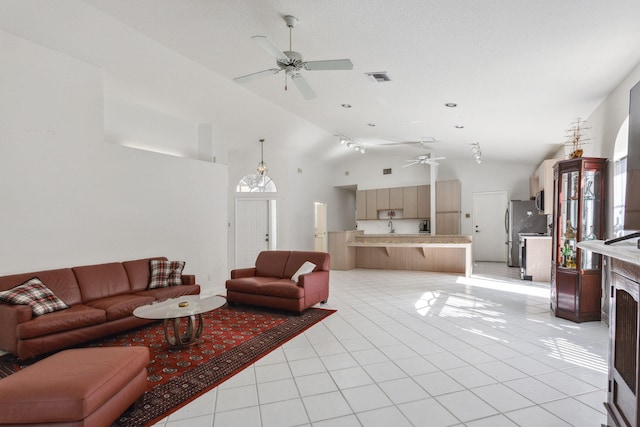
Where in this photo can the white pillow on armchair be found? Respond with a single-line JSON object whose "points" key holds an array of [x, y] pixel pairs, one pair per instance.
{"points": [[305, 268]]}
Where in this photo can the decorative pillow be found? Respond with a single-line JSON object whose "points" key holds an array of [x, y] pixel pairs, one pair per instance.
{"points": [[165, 273], [305, 268], [34, 294]]}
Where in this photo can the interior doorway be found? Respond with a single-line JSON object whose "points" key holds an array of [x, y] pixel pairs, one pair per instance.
{"points": [[255, 229], [489, 234], [320, 227]]}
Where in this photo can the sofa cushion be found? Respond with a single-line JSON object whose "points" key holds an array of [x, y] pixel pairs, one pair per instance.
{"points": [[62, 283], [77, 316], [36, 295], [296, 259], [272, 263], [161, 294], [102, 280], [139, 273], [283, 288], [120, 306], [165, 273]]}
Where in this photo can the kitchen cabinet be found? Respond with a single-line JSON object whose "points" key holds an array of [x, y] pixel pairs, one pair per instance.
{"points": [[372, 204], [361, 204], [382, 199], [578, 214], [448, 207], [410, 202], [396, 198], [542, 180], [424, 201]]}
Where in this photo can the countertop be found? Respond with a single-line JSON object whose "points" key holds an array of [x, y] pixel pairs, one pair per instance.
{"points": [[410, 240], [625, 251]]}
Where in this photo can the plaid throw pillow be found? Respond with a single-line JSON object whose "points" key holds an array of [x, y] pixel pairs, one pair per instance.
{"points": [[34, 294], [165, 273]]}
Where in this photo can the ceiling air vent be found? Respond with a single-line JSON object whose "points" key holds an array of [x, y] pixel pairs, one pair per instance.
{"points": [[378, 76], [386, 171]]}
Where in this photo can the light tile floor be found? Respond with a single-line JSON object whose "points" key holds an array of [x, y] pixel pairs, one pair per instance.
{"points": [[422, 349]]}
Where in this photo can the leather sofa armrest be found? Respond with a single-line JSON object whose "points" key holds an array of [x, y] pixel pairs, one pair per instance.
{"points": [[313, 280], [10, 317], [188, 279], [243, 272]]}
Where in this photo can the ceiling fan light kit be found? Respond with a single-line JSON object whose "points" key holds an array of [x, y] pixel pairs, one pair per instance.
{"points": [[292, 63]]}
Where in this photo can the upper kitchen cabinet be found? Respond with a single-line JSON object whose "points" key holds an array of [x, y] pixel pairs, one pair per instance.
{"points": [[396, 198], [448, 207], [361, 204], [410, 202], [542, 182], [372, 204], [424, 201], [382, 199]]}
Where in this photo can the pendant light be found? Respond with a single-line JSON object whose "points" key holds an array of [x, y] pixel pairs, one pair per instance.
{"points": [[262, 166]]}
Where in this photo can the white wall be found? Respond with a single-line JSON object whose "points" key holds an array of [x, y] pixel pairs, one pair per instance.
{"points": [[69, 198], [605, 122]]}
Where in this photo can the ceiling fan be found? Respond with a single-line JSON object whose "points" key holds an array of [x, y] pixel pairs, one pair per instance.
{"points": [[291, 63], [424, 159]]}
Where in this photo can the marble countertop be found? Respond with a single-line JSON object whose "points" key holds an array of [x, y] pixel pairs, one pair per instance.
{"points": [[625, 251], [409, 240]]}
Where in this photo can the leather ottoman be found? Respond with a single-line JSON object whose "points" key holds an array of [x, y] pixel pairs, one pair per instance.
{"points": [[77, 387]]}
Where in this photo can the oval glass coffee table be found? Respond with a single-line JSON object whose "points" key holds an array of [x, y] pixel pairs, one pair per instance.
{"points": [[173, 311]]}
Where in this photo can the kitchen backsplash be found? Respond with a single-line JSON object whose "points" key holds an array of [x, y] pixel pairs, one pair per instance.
{"points": [[381, 226]]}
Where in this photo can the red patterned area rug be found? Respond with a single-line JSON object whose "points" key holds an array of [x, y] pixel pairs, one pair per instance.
{"points": [[232, 339]]}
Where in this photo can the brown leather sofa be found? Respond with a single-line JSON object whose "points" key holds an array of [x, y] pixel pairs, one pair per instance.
{"points": [[101, 297], [269, 283]]}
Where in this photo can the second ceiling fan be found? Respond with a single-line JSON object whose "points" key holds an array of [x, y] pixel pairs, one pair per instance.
{"points": [[425, 159], [292, 64]]}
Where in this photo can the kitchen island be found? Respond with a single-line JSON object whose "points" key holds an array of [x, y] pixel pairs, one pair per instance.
{"points": [[422, 252]]}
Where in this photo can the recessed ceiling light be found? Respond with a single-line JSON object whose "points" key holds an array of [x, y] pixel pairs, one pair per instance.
{"points": [[459, 127], [450, 104], [371, 124], [346, 105]]}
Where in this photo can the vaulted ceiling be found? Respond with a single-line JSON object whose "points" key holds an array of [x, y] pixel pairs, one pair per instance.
{"points": [[520, 72]]}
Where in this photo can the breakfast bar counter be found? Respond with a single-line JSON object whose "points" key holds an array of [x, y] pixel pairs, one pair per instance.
{"points": [[421, 252]]}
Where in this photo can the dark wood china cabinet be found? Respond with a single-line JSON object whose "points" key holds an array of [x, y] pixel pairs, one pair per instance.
{"points": [[578, 215]]}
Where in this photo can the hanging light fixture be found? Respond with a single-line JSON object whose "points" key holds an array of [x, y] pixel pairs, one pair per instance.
{"points": [[477, 154], [262, 166], [347, 142]]}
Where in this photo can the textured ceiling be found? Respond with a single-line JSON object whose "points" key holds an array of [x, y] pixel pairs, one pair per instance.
{"points": [[520, 71]]}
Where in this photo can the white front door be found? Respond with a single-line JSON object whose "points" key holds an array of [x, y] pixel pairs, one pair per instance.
{"points": [[252, 230], [489, 235]]}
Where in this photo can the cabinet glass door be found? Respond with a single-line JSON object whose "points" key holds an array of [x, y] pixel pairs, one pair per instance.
{"points": [[591, 206], [568, 233]]}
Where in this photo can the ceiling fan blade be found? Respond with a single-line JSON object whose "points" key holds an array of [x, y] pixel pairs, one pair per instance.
{"points": [[303, 86], [330, 64], [254, 76], [413, 162], [269, 47]]}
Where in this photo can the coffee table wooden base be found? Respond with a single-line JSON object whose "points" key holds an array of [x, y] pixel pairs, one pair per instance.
{"points": [[192, 331]]}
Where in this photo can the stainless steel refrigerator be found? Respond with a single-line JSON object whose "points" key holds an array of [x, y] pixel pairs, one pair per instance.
{"points": [[522, 217]]}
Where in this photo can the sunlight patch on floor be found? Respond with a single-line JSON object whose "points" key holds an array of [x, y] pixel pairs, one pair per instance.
{"points": [[575, 354], [499, 285]]}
